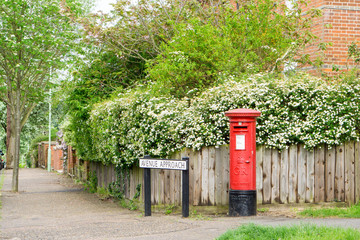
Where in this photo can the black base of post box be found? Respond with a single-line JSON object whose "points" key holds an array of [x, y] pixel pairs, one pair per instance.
{"points": [[242, 203]]}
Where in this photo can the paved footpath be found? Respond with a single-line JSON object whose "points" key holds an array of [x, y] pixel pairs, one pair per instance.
{"points": [[50, 206]]}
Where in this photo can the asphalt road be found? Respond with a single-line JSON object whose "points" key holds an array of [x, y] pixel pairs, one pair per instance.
{"points": [[51, 206]]}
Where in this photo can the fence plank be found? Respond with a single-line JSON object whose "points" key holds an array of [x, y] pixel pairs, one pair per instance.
{"points": [[292, 173], [267, 176], [225, 156], [310, 176], [212, 175], [349, 173], [340, 173], [167, 186], [330, 174], [190, 153], [178, 191], [357, 172], [205, 176], [160, 193], [218, 176], [275, 176], [154, 186], [284, 176], [259, 173], [140, 180], [197, 178], [301, 182], [172, 187], [319, 174]]}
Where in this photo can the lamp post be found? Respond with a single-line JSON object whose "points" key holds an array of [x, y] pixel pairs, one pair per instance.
{"points": [[49, 149]]}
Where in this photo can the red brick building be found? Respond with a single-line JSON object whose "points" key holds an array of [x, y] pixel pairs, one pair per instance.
{"points": [[340, 25]]}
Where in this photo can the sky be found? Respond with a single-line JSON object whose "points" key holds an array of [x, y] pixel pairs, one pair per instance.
{"points": [[104, 5]]}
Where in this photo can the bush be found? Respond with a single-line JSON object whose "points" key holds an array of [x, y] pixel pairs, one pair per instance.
{"points": [[258, 37], [300, 109]]}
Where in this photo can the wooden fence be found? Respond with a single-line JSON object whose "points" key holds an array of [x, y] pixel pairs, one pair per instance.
{"points": [[294, 175]]}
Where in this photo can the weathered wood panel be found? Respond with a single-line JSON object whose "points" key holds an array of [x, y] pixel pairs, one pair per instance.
{"points": [[259, 173], [267, 176], [284, 176], [349, 173], [205, 177], [226, 174], [310, 176], [330, 175], [275, 176], [292, 174], [340, 173], [211, 176], [320, 174], [191, 155], [197, 176], [167, 189], [154, 186], [218, 177], [357, 172], [301, 181]]}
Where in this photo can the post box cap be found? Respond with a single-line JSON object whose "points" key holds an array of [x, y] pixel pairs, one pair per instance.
{"points": [[242, 112]]}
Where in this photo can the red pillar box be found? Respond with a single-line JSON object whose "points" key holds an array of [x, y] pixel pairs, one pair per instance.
{"points": [[242, 194]]}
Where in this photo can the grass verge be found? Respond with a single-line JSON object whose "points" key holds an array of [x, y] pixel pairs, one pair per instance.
{"points": [[349, 212], [303, 232]]}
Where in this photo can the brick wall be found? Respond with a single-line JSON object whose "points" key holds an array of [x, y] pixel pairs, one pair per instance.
{"points": [[56, 156], [344, 18]]}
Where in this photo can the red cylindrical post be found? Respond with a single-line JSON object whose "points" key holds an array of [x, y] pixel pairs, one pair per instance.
{"points": [[242, 194]]}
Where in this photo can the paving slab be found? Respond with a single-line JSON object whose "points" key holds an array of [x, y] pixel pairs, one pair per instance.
{"points": [[50, 206]]}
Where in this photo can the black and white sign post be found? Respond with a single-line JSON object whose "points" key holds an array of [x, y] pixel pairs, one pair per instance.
{"points": [[170, 164]]}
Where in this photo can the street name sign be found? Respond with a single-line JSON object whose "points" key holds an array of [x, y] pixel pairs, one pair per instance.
{"points": [[163, 164]]}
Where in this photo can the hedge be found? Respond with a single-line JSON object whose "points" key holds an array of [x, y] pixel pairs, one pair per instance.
{"points": [[297, 109]]}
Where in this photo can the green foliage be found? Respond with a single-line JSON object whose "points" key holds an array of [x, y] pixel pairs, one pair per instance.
{"points": [[138, 191], [132, 204], [22, 165], [170, 209], [354, 52], [307, 232], [116, 188], [95, 79], [299, 109], [259, 37], [103, 193], [91, 183], [35, 36], [350, 212], [262, 210]]}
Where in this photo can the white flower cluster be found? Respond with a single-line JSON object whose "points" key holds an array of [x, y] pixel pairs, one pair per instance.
{"points": [[301, 109]]}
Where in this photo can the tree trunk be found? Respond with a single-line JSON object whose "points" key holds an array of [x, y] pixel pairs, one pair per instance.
{"points": [[10, 141], [16, 132], [10, 151]]}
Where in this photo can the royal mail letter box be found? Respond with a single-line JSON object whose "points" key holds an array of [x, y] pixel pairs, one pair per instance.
{"points": [[242, 194]]}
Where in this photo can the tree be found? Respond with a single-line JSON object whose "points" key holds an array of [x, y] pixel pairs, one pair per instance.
{"points": [[95, 78], [35, 37], [135, 30], [260, 36], [187, 44]]}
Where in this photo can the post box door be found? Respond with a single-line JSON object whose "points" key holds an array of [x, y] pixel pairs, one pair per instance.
{"points": [[242, 164]]}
